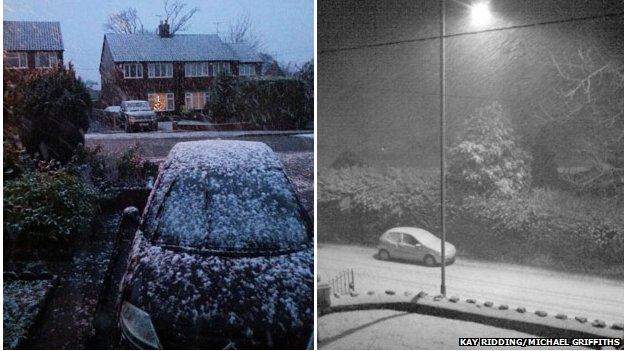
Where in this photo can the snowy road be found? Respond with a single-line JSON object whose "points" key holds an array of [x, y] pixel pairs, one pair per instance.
{"points": [[515, 285]]}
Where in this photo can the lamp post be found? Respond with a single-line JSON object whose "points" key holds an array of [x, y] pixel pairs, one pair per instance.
{"points": [[442, 148], [480, 14]]}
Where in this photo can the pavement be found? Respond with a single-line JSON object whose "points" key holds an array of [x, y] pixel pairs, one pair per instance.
{"points": [[515, 285]]}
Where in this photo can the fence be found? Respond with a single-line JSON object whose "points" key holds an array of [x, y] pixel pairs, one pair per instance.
{"points": [[343, 283]]}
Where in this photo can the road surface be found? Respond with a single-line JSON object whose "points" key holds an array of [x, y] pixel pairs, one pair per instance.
{"points": [[515, 285]]}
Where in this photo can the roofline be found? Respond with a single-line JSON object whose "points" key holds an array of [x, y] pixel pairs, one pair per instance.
{"points": [[32, 50], [177, 61]]}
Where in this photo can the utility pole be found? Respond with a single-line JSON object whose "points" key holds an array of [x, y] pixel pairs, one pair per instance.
{"points": [[442, 149]]}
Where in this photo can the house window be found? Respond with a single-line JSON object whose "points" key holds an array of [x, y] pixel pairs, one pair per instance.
{"points": [[198, 69], [246, 70], [160, 70], [16, 60], [133, 70], [195, 100], [222, 67], [46, 60], [161, 101]]}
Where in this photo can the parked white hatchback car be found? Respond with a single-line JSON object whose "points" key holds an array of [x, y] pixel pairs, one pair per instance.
{"points": [[414, 244]]}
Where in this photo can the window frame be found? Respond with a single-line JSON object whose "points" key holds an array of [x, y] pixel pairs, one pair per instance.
{"points": [[248, 66], [135, 64], [198, 66], [403, 241], [391, 239], [218, 66], [51, 62], [191, 94], [169, 98], [151, 70], [19, 54]]}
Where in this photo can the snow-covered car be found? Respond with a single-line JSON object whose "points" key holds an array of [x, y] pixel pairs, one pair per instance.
{"points": [[137, 114], [414, 244], [223, 255]]}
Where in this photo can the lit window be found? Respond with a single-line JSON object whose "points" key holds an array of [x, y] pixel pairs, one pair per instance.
{"points": [[160, 70], [161, 101], [246, 70], [46, 60], [133, 70], [195, 100], [16, 60]]}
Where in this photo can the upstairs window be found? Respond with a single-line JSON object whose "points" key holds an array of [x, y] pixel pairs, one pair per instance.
{"points": [[246, 70], [222, 67], [195, 100], [16, 60], [133, 70], [161, 101], [198, 69], [160, 70], [46, 60]]}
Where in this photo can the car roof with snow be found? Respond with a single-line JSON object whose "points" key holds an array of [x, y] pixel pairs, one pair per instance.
{"points": [[222, 155]]}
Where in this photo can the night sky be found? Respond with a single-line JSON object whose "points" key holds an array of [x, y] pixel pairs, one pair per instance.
{"points": [[382, 102]]}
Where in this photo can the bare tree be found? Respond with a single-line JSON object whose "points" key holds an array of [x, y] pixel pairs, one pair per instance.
{"points": [[590, 101], [242, 31], [176, 15], [124, 22]]}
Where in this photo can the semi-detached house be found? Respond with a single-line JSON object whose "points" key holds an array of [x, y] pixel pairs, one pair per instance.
{"points": [[172, 72]]}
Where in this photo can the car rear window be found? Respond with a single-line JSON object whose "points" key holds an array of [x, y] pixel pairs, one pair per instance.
{"points": [[137, 106], [245, 211]]}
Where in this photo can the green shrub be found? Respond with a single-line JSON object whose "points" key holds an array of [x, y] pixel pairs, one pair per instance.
{"points": [[268, 103], [132, 169], [50, 206], [53, 113], [485, 159]]}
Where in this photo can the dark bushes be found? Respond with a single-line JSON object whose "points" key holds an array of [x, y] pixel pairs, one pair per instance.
{"points": [[544, 227], [51, 110], [275, 103]]}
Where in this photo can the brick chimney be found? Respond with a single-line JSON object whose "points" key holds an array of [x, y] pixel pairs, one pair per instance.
{"points": [[163, 29]]}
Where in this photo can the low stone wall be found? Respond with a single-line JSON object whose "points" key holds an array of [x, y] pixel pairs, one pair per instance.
{"points": [[539, 323]]}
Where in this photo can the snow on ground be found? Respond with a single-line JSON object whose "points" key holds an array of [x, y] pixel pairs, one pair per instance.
{"points": [[388, 330], [21, 304]]}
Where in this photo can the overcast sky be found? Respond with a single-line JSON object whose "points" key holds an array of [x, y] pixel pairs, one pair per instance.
{"points": [[286, 27]]}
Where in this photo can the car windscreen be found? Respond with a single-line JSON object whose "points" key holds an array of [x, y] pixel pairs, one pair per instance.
{"points": [[251, 211], [137, 106]]}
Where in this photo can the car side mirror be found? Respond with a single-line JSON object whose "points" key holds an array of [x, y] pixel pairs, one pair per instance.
{"points": [[131, 218]]}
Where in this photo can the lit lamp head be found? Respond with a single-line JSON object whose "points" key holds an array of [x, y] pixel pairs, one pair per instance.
{"points": [[480, 13]]}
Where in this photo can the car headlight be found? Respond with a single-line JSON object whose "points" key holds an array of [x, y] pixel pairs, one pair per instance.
{"points": [[137, 327]]}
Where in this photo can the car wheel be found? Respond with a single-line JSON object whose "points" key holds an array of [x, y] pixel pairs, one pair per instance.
{"points": [[384, 255], [429, 260]]}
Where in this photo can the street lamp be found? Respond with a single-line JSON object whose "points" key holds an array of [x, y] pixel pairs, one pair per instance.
{"points": [[481, 15]]}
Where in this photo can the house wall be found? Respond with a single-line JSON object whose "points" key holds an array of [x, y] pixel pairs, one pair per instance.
{"points": [[115, 88]]}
